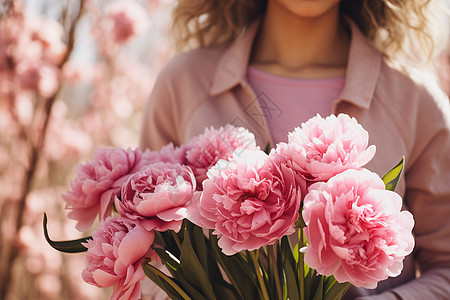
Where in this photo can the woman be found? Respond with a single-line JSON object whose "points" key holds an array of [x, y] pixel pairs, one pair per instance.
{"points": [[271, 65]]}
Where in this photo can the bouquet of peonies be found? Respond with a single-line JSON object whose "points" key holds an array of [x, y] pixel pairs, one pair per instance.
{"points": [[230, 221]]}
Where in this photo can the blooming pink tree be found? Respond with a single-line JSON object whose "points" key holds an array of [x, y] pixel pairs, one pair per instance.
{"points": [[65, 89]]}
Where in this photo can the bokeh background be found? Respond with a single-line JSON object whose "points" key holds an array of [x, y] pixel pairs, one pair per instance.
{"points": [[74, 76]]}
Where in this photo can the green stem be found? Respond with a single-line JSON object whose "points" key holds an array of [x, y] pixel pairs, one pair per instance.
{"points": [[301, 266], [177, 239], [254, 255], [272, 250]]}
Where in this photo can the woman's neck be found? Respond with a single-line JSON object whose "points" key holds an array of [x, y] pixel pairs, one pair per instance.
{"points": [[301, 47]]}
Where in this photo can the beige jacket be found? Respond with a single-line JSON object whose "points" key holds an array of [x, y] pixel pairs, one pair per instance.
{"points": [[207, 87]]}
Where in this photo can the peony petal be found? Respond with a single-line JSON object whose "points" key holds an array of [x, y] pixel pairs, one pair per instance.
{"points": [[193, 213], [174, 214], [85, 217], [365, 156], [104, 279], [134, 246], [355, 229]]}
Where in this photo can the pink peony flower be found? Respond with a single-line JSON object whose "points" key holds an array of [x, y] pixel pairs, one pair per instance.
{"points": [[114, 257], [157, 196], [355, 229], [205, 150], [168, 154], [249, 200], [98, 183], [322, 148]]}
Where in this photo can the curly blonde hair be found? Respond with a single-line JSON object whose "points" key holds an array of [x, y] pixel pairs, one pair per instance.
{"points": [[406, 29]]}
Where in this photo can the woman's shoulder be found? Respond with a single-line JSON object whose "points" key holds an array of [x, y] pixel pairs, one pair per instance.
{"points": [[414, 102], [196, 67], [412, 87], [183, 85]]}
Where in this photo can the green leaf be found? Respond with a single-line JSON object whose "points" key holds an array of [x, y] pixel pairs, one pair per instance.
{"points": [[234, 267], [290, 268], [281, 271], [169, 285], [162, 284], [171, 262], [300, 223], [191, 290], [255, 257], [72, 246], [310, 282], [168, 241], [198, 243], [336, 290], [226, 292], [274, 281], [393, 176], [291, 282], [319, 289], [286, 251], [296, 252], [193, 270], [329, 282], [220, 286], [173, 265], [267, 149]]}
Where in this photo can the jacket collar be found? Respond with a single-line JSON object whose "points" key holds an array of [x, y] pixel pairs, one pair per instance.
{"points": [[232, 66], [363, 67]]}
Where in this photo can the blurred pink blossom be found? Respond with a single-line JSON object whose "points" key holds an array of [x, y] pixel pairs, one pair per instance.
{"points": [[355, 229], [122, 21], [42, 78], [41, 258], [84, 291], [26, 238], [71, 143], [134, 78], [31, 49], [127, 18], [34, 264], [49, 285], [24, 108], [49, 34], [74, 72], [65, 138], [153, 5]]}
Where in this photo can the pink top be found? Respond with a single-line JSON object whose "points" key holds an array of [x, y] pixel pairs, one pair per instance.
{"points": [[292, 101]]}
